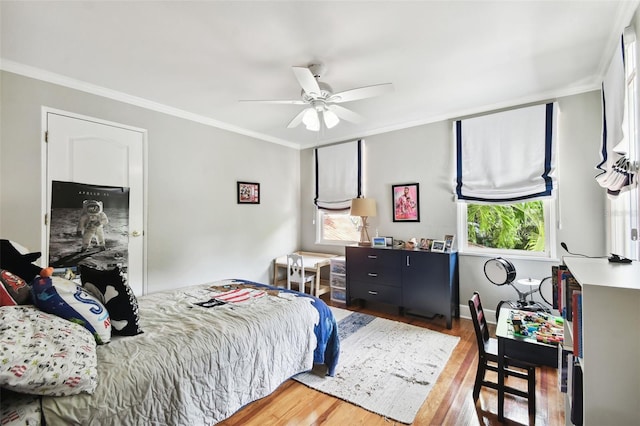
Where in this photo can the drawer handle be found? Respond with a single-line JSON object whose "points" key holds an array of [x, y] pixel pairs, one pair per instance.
{"points": [[375, 293], [372, 256], [371, 274]]}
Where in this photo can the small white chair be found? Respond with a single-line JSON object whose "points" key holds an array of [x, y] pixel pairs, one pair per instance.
{"points": [[297, 275]]}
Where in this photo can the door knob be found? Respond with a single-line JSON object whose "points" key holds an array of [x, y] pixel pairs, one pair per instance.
{"points": [[135, 234]]}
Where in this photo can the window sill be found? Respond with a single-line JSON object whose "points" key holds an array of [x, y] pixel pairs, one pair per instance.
{"points": [[510, 256], [336, 243]]}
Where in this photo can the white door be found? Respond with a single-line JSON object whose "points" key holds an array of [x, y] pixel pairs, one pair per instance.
{"points": [[85, 150]]}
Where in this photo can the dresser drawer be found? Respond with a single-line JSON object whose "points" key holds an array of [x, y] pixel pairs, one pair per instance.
{"points": [[376, 292], [364, 258], [377, 276]]}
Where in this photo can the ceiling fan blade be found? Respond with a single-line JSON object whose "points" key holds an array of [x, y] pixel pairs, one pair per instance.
{"points": [[283, 101], [361, 93], [307, 81], [297, 119], [345, 114]]}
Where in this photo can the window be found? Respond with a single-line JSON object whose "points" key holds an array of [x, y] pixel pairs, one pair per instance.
{"points": [[505, 182], [338, 181], [623, 209], [519, 229], [337, 227]]}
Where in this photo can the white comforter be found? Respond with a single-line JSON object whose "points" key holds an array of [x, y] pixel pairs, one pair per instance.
{"points": [[194, 365]]}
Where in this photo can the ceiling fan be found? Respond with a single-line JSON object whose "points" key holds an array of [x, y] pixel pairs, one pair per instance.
{"points": [[322, 103]]}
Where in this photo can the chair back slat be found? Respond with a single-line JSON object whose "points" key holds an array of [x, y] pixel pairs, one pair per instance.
{"points": [[479, 321]]}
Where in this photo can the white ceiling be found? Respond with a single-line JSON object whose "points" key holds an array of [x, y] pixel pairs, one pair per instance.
{"points": [[445, 59]]}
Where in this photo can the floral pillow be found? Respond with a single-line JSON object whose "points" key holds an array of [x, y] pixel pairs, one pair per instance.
{"points": [[42, 354], [70, 301]]}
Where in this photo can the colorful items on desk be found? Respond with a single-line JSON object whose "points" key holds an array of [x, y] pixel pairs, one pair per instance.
{"points": [[543, 327]]}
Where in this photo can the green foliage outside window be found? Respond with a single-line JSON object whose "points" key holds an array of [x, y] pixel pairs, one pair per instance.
{"points": [[507, 226]]}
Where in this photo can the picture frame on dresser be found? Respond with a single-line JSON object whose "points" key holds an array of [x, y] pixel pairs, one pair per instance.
{"points": [[448, 242], [438, 246], [379, 242], [425, 243]]}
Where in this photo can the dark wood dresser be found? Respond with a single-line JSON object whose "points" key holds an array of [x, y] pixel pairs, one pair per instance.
{"points": [[419, 282]]}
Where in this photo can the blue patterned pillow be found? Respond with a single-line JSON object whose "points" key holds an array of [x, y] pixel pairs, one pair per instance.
{"points": [[70, 301]]}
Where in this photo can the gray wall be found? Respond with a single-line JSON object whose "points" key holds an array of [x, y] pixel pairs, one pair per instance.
{"points": [[195, 232], [424, 154]]}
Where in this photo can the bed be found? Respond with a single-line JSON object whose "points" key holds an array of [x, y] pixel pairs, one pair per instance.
{"points": [[198, 361]]}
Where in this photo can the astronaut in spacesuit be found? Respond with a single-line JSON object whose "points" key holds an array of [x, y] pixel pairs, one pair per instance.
{"points": [[91, 224]]}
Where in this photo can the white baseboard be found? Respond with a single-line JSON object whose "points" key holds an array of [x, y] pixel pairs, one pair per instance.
{"points": [[490, 314]]}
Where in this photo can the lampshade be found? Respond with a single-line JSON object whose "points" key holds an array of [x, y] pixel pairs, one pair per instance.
{"points": [[363, 207]]}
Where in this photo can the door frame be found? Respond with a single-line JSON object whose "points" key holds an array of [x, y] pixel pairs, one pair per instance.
{"points": [[45, 110]]}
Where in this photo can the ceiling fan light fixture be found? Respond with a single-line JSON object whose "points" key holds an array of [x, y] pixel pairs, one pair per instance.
{"points": [[314, 128], [311, 120], [322, 110], [330, 119]]}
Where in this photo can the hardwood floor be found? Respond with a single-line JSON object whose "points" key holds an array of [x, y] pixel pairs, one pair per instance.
{"points": [[449, 403]]}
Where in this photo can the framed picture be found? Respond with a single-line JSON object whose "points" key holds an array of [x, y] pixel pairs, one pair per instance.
{"points": [[425, 243], [248, 193], [438, 245], [406, 202], [448, 242], [389, 241], [379, 242]]}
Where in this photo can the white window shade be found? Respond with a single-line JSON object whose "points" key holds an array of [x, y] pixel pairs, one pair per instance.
{"points": [[613, 95], [338, 175], [506, 157]]}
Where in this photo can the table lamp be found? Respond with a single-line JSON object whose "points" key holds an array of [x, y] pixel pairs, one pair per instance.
{"points": [[365, 208]]}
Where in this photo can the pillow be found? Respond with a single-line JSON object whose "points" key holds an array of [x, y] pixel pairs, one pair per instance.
{"points": [[19, 409], [70, 301], [111, 288], [13, 290], [43, 354]]}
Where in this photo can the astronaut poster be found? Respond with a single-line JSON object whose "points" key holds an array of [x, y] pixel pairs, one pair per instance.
{"points": [[89, 225]]}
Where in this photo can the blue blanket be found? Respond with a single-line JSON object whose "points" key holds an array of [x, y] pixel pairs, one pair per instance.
{"points": [[327, 350]]}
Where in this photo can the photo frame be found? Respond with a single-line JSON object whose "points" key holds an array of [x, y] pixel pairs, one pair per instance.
{"points": [[379, 242], [425, 244], [389, 241], [406, 202], [248, 193], [438, 246], [448, 242]]}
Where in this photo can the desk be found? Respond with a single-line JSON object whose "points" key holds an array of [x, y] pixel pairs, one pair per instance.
{"points": [[313, 262], [527, 349]]}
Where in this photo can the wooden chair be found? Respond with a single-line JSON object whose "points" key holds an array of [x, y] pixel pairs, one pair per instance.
{"points": [[488, 359], [297, 275]]}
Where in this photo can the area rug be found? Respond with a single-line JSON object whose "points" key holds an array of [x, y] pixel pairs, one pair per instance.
{"points": [[386, 367]]}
